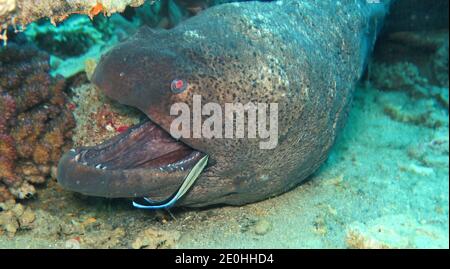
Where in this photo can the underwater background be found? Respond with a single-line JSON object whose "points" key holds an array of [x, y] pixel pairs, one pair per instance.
{"points": [[384, 185]]}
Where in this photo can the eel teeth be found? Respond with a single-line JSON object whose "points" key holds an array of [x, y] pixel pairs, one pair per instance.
{"points": [[77, 157]]}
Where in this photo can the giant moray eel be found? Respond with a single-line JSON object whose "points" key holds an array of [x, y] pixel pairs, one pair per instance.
{"points": [[304, 55]]}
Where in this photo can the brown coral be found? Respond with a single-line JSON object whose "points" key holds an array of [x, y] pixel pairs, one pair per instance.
{"points": [[35, 122]]}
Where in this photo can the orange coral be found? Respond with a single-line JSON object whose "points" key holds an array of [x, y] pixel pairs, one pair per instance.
{"points": [[95, 10]]}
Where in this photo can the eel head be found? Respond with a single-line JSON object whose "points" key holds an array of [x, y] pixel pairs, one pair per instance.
{"points": [[150, 74]]}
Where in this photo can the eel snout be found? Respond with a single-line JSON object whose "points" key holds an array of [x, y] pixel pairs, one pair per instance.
{"points": [[145, 161]]}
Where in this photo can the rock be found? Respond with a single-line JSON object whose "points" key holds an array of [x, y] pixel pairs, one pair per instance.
{"points": [[49, 226], [25, 190], [17, 210], [15, 217], [418, 170], [399, 76], [8, 222], [262, 227], [7, 6], [105, 238], [395, 231], [25, 11], [336, 181], [423, 114], [72, 244], [27, 218], [156, 239]]}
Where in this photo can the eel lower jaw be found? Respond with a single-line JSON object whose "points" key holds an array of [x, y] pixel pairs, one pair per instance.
{"points": [[144, 161]]}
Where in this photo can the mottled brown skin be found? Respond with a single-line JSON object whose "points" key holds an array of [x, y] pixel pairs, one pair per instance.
{"points": [[288, 53]]}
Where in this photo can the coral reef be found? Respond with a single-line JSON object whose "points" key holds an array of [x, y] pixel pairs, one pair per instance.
{"points": [[400, 76], [7, 6], [71, 38], [98, 118], [35, 120], [26, 11], [23, 12], [408, 56], [415, 64], [77, 40], [14, 217], [80, 38]]}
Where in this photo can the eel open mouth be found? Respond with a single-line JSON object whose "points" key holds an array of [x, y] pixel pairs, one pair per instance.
{"points": [[143, 161]]}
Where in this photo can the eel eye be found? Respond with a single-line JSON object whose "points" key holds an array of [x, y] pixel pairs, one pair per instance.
{"points": [[178, 86]]}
